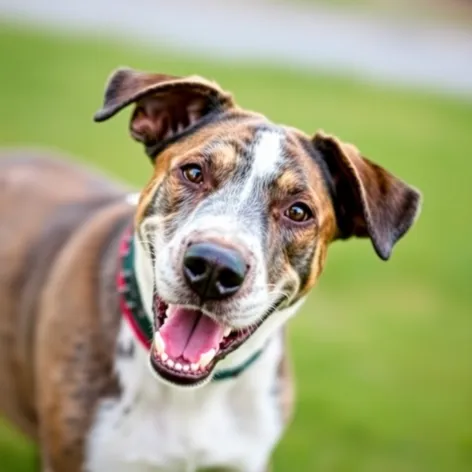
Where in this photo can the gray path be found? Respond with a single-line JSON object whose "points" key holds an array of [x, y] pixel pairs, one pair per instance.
{"points": [[432, 57]]}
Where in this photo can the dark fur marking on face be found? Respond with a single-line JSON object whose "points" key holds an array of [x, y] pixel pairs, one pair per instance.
{"points": [[317, 157], [303, 264], [321, 164]]}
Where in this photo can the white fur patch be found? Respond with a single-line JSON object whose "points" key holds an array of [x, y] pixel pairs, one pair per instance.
{"points": [[267, 155], [152, 427]]}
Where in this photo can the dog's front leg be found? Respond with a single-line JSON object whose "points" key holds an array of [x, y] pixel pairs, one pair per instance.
{"points": [[74, 368], [72, 383]]}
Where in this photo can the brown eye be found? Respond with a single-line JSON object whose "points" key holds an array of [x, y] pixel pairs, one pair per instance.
{"points": [[299, 212], [193, 173]]}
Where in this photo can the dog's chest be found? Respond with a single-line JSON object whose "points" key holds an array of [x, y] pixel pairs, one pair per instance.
{"points": [[151, 427]]}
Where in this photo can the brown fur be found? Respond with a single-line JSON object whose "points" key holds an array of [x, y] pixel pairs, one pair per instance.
{"points": [[59, 315], [43, 203], [79, 365]]}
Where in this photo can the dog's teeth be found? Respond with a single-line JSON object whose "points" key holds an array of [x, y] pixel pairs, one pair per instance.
{"points": [[194, 367], [207, 357], [178, 366], [227, 332], [164, 356], [170, 362], [159, 343], [186, 368]]}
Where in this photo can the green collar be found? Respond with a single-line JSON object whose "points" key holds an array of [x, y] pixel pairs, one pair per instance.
{"points": [[133, 310]]}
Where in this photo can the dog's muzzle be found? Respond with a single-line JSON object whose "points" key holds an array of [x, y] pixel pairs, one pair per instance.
{"points": [[188, 342]]}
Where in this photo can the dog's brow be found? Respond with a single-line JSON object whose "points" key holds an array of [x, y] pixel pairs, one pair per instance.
{"points": [[239, 145]]}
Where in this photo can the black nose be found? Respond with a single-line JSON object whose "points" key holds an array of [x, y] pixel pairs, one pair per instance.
{"points": [[213, 271]]}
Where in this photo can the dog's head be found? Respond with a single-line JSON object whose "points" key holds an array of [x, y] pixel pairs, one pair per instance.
{"points": [[234, 224]]}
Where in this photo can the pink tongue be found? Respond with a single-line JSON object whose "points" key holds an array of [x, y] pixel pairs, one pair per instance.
{"points": [[189, 333]]}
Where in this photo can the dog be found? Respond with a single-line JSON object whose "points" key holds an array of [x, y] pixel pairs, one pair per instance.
{"points": [[147, 334]]}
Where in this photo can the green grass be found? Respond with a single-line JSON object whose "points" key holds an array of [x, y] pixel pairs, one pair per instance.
{"points": [[383, 351]]}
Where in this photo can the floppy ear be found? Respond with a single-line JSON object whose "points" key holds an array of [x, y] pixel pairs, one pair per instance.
{"points": [[166, 106], [369, 201]]}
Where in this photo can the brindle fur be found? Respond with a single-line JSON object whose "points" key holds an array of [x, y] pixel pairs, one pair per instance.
{"points": [[59, 312], [45, 204]]}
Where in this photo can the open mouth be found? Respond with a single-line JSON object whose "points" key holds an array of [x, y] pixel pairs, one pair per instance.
{"points": [[187, 343]]}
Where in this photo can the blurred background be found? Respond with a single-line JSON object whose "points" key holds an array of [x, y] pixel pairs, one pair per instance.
{"points": [[382, 351]]}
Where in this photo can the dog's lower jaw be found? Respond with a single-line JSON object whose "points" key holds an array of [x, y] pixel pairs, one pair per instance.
{"points": [[170, 384]]}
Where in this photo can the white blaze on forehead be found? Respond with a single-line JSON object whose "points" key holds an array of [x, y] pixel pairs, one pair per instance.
{"points": [[267, 154], [266, 158]]}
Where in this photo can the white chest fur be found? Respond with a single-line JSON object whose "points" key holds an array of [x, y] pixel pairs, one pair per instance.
{"points": [[152, 427]]}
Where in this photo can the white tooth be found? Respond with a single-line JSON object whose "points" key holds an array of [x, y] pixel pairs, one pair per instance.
{"points": [[194, 367], [186, 368], [159, 343], [178, 366], [170, 362], [227, 332], [164, 356], [207, 357]]}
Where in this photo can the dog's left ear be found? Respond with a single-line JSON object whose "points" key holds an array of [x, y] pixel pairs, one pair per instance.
{"points": [[166, 106], [369, 201]]}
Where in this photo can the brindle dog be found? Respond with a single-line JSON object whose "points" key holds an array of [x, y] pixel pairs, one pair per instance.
{"points": [[150, 336]]}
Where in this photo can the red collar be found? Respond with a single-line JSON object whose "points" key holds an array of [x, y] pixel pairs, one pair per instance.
{"points": [[130, 300]]}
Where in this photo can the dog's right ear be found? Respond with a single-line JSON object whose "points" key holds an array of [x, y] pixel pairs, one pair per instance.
{"points": [[166, 106]]}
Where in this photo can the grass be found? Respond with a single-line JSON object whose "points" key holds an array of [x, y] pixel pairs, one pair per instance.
{"points": [[383, 351]]}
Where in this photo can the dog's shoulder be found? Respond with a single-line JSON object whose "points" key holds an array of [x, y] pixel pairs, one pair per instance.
{"points": [[77, 329]]}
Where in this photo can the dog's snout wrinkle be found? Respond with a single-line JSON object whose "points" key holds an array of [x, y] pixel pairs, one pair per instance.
{"points": [[212, 271]]}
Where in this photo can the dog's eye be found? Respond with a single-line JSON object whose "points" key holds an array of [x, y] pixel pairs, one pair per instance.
{"points": [[193, 173], [299, 212]]}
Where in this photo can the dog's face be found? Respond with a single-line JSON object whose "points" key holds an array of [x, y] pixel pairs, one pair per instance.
{"points": [[238, 215]]}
